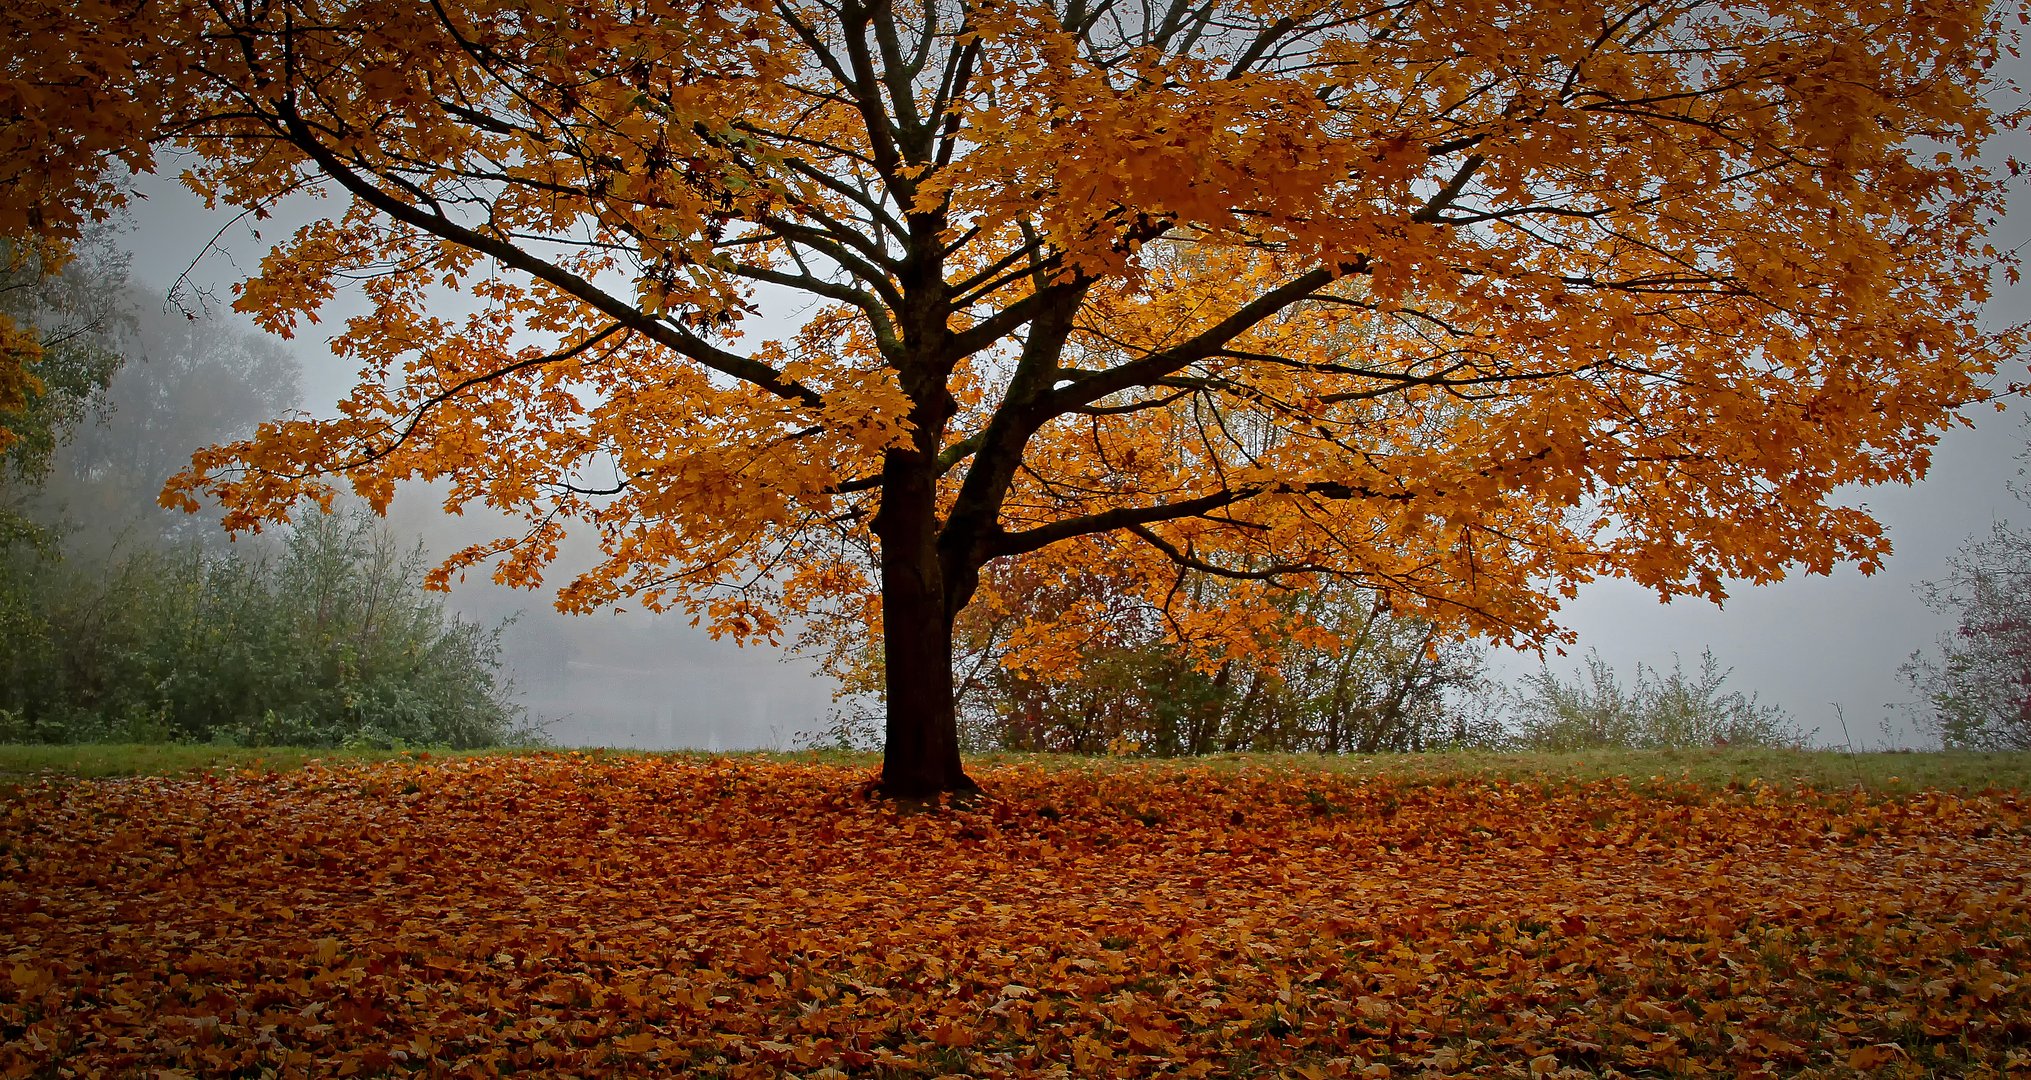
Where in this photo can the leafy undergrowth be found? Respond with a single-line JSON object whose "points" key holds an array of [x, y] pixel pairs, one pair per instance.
{"points": [[567, 914]]}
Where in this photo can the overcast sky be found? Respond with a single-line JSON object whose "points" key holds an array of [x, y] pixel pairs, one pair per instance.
{"points": [[1809, 644]]}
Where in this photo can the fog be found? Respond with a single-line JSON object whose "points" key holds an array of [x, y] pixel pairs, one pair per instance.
{"points": [[623, 678], [626, 678], [1826, 649]]}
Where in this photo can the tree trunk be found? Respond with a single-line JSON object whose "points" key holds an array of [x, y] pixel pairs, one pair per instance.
{"points": [[920, 759]]}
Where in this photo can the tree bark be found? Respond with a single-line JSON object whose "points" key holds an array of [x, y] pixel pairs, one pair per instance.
{"points": [[920, 759]]}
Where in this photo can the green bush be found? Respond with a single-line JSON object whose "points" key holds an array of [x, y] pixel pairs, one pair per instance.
{"points": [[328, 642], [1662, 711]]}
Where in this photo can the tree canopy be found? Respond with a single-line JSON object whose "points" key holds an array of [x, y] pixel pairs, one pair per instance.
{"points": [[1463, 303]]}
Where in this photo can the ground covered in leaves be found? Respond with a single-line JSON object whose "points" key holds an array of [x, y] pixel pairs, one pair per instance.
{"points": [[571, 914]]}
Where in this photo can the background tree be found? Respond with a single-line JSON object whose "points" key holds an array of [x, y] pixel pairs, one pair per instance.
{"points": [[1461, 307], [69, 320], [189, 381], [1974, 693], [118, 621]]}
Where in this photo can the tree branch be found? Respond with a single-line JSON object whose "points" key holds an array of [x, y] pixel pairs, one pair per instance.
{"points": [[663, 333]]}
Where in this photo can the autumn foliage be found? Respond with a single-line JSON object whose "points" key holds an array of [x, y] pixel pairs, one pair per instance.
{"points": [[572, 914], [1463, 304]]}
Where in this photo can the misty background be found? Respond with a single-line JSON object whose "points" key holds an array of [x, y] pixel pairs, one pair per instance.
{"points": [[1825, 649]]}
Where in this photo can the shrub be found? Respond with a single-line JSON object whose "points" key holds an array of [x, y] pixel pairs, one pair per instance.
{"points": [[328, 642], [1662, 711], [1343, 676]]}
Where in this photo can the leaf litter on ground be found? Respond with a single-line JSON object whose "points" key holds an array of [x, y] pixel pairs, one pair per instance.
{"points": [[593, 915]]}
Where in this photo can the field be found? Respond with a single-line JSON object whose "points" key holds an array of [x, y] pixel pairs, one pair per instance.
{"points": [[591, 914]]}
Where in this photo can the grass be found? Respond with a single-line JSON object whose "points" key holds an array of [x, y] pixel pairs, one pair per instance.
{"points": [[1877, 771], [1883, 771], [90, 760]]}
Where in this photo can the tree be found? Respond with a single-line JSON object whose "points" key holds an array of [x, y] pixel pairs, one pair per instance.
{"points": [[1975, 694], [1462, 306], [67, 317], [188, 381]]}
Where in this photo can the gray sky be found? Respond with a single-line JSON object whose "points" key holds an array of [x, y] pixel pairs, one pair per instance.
{"points": [[1811, 643], [1807, 644]]}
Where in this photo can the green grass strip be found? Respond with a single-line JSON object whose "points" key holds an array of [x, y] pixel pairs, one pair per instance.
{"points": [[1880, 771]]}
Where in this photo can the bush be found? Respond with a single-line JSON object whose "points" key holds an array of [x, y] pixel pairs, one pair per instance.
{"points": [[1672, 711], [329, 642], [1337, 674]]}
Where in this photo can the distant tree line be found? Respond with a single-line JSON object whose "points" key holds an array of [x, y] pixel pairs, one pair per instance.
{"points": [[123, 622]]}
